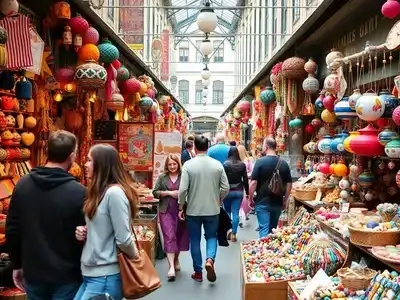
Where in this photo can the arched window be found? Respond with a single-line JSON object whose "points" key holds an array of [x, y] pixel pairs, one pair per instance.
{"points": [[184, 91], [218, 92], [199, 93]]}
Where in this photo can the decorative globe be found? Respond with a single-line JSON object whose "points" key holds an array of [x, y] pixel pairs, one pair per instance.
{"points": [[108, 52], [343, 110], [332, 83], [319, 104], [366, 179], [369, 107], [64, 75], [311, 84], [331, 57], [145, 103], [391, 9], [329, 102], [328, 116], [295, 123], [3, 36], [354, 98], [293, 68], [90, 76], [340, 169], [244, 106], [91, 36], [78, 25], [115, 103], [392, 149], [386, 136], [310, 66], [122, 74], [267, 96], [89, 52], [391, 102], [337, 144], [316, 123], [207, 20], [130, 86], [324, 145]]}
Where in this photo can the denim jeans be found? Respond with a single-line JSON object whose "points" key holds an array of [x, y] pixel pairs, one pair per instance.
{"points": [[48, 291], [232, 204], [194, 224], [93, 286], [267, 217]]}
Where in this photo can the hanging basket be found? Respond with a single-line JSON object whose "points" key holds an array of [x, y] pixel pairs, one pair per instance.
{"points": [[90, 76]]}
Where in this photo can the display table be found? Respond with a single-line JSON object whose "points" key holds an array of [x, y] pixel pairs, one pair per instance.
{"points": [[315, 205]]}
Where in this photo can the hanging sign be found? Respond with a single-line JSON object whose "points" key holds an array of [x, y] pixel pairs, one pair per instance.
{"points": [[135, 145]]}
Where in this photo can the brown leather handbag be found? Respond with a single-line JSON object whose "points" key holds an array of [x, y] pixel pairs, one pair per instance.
{"points": [[138, 275]]}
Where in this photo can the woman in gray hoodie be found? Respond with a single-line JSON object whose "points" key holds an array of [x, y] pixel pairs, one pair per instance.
{"points": [[109, 209]]}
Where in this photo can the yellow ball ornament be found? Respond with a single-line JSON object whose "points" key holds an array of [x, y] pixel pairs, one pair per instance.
{"points": [[328, 116]]}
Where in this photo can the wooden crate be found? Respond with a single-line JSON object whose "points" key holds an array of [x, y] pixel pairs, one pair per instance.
{"points": [[147, 220], [149, 248], [277, 290]]}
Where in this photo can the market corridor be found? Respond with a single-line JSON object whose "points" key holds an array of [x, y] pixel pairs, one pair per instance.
{"points": [[228, 272]]}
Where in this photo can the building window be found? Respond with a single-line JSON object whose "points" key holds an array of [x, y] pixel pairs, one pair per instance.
{"points": [[218, 92], [184, 91], [274, 24], [218, 50], [184, 51], [296, 11], [110, 9], [199, 92], [260, 49], [266, 36], [199, 56], [284, 18]]}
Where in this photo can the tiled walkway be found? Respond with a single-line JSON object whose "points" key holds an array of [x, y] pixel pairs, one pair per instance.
{"points": [[227, 286]]}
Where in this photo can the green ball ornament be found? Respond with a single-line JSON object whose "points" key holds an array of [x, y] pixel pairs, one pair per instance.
{"points": [[123, 74], [108, 52]]}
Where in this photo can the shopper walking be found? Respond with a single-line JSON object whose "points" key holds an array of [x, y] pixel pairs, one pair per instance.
{"points": [[220, 150], [109, 209], [245, 207], [237, 177], [188, 152], [203, 186], [269, 206], [176, 237], [45, 208]]}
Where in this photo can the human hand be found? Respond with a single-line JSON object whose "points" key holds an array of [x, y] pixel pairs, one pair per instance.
{"points": [[174, 194], [80, 233], [18, 278], [252, 205], [181, 215]]}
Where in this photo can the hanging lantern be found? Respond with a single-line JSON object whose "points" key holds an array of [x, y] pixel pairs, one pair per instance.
{"points": [[23, 89], [78, 25], [205, 74], [67, 36], [207, 20], [90, 76], [337, 144], [145, 103], [310, 66], [354, 98], [115, 103], [9, 7], [332, 83], [392, 149], [293, 68], [386, 136], [61, 10], [108, 52], [369, 107], [324, 168], [311, 84], [122, 74], [151, 93], [391, 102], [310, 129], [367, 144], [340, 169], [396, 115], [343, 110], [366, 179], [347, 141], [328, 116], [391, 9], [206, 47], [319, 104], [267, 96], [316, 123], [324, 145], [205, 83], [329, 102], [243, 106], [91, 36], [64, 75], [130, 86], [143, 89], [331, 57], [88, 52], [116, 64], [295, 123]]}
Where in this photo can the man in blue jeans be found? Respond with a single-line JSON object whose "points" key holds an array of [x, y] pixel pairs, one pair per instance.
{"points": [[268, 206], [203, 186]]}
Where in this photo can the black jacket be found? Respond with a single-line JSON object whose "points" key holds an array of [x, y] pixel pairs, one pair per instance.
{"points": [[46, 206], [237, 175]]}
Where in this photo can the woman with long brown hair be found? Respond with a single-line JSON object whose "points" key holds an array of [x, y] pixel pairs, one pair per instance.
{"points": [[176, 237], [109, 209]]}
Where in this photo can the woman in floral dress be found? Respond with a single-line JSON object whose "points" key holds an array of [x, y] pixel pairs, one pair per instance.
{"points": [[176, 238]]}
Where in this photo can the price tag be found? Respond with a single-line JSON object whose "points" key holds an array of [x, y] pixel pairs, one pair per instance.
{"points": [[345, 207]]}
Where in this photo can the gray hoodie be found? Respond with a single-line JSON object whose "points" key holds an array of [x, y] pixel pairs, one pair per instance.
{"points": [[109, 228]]}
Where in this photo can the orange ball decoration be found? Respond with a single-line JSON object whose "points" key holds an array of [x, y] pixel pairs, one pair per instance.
{"points": [[88, 52], [332, 168], [341, 169], [143, 89]]}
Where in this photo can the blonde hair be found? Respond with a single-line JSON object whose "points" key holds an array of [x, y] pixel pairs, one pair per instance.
{"points": [[242, 153], [176, 159]]}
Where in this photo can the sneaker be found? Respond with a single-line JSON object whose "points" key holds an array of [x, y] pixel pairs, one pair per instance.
{"points": [[211, 276], [258, 229], [233, 238], [241, 225], [197, 276]]}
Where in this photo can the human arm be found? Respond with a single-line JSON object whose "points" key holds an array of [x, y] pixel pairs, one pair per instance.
{"points": [[254, 181], [287, 179], [245, 180], [158, 191], [223, 185], [120, 215], [183, 187]]}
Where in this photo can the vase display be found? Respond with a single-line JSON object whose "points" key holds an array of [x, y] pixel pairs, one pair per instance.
{"points": [[367, 144]]}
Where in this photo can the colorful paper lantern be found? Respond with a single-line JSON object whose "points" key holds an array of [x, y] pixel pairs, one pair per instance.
{"points": [[91, 36], [123, 74], [244, 106], [340, 169], [337, 144], [386, 136], [391, 102], [311, 84], [90, 76], [310, 129], [324, 168], [366, 179], [310, 66], [145, 103], [88, 52], [78, 25], [328, 116], [267, 96], [332, 83], [324, 145], [329, 102], [293, 68], [347, 141], [142, 89], [64, 75], [391, 9], [295, 123], [367, 144], [108, 52], [354, 98], [130, 86], [343, 110], [115, 103], [369, 107], [392, 149], [396, 115], [316, 123]]}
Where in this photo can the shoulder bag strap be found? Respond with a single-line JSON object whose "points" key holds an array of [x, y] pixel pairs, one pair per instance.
{"points": [[278, 165]]}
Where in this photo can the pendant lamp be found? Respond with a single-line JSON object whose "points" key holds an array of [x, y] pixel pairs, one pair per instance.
{"points": [[207, 20], [206, 74]]}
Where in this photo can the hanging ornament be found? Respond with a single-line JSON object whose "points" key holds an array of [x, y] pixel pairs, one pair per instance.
{"points": [[310, 129], [130, 86], [392, 149], [9, 7], [328, 117], [311, 84], [343, 110], [122, 74], [333, 59], [267, 95], [366, 179], [347, 141], [391, 9], [90, 76], [67, 36], [337, 144], [332, 83], [354, 98], [108, 52], [311, 66], [367, 144], [324, 145], [340, 169], [295, 123], [89, 52], [329, 102], [386, 136], [391, 102], [91, 36], [316, 123], [396, 115], [369, 107]]}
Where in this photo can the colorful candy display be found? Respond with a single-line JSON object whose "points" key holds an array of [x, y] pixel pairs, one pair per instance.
{"points": [[301, 217], [336, 292], [387, 211], [143, 233], [276, 257], [383, 286]]}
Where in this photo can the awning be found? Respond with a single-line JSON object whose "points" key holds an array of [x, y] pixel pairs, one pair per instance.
{"points": [[129, 58]]}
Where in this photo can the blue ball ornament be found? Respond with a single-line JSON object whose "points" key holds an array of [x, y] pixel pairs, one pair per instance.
{"points": [[267, 96], [108, 52], [319, 104]]}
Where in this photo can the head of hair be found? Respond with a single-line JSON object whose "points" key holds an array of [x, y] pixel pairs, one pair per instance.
{"points": [[188, 145], [201, 143], [176, 159], [108, 170], [233, 154], [269, 144], [242, 153], [190, 138], [220, 138], [232, 143], [60, 146]]}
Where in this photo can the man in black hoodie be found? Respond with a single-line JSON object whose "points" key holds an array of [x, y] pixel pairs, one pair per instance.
{"points": [[45, 209]]}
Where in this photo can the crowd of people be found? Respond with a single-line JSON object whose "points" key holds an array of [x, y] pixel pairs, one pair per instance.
{"points": [[64, 238]]}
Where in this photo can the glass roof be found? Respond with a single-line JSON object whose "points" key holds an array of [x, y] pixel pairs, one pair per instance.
{"points": [[184, 20]]}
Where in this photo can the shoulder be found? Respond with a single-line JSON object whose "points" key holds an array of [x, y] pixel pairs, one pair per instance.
{"points": [[116, 192]]}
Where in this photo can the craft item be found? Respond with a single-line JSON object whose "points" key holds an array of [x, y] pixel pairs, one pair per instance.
{"points": [[387, 211]]}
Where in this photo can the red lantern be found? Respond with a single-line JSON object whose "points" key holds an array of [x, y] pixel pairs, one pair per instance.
{"points": [[324, 168], [316, 123], [64, 75], [329, 102], [130, 86], [91, 36], [310, 129], [243, 106], [78, 25], [367, 143], [391, 9], [396, 115], [116, 64]]}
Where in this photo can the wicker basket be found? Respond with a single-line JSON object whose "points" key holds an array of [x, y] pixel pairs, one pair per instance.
{"points": [[368, 238], [356, 280], [308, 195]]}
